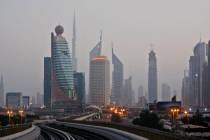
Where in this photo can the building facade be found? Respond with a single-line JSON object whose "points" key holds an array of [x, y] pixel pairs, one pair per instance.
{"points": [[152, 78], [196, 65], [117, 79], [14, 100], [61, 66], [99, 84], [128, 93], [47, 82], [26, 101], [2, 92], [166, 92], [74, 58], [79, 86], [186, 102]]}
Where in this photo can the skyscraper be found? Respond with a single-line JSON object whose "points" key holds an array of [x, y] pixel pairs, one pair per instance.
{"points": [[26, 101], [74, 59], [96, 51], [140, 91], [196, 68], [2, 92], [128, 93], [61, 66], [205, 96], [208, 73], [14, 100], [186, 102], [79, 86], [99, 84], [152, 78], [117, 79], [166, 92], [47, 82], [39, 98]]}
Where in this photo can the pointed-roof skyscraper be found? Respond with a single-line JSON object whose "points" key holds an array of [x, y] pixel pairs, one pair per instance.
{"points": [[117, 79], [74, 59], [96, 51], [152, 77], [2, 91]]}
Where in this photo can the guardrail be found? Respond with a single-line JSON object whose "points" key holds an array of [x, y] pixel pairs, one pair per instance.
{"points": [[8, 130]]}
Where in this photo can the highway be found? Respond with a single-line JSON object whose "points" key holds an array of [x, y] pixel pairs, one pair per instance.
{"points": [[89, 132], [49, 133]]}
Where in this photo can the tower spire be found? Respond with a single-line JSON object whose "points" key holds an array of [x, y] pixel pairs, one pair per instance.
{"points": [[74, 44]]}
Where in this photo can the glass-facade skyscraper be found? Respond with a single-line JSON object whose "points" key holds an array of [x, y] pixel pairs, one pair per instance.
{"points": [[62, 70], [117, 79], [152, 78], [47, 82]]}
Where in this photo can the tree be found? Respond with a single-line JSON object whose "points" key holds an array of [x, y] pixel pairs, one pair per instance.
{"points": [[116, 117], [148, 119]]}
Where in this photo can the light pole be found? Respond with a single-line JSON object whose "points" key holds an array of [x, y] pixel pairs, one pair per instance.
{"points": [[21, 116], [186, 115], [9, 115]]}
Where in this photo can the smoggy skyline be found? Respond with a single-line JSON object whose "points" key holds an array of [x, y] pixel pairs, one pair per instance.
{"points": [[173, 27]]}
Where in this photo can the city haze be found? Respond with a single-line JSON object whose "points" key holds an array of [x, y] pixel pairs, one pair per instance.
{"points": [[173, 27]]}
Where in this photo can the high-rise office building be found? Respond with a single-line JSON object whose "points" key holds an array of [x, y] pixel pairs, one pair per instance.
{"points": [[128, 93], [39, 99], [117, 79], [96, 51], [166, 92], [99, 84], [33, 100], [61, 66], [14, 100], [79, 86], [205, 83], [140, 91], [74, 58], [195, 73], [208, 105], [186, 90], [47, 82], [1, 92], [26, 101], [152, 78]]}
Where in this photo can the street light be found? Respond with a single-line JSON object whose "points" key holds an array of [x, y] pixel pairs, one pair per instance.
{"points": [[186, 115], [21, 116], [9, 115]]}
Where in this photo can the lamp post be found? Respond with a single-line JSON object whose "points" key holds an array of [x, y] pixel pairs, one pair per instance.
{"points": [[186, 115], [9, 115], [21, 116]]}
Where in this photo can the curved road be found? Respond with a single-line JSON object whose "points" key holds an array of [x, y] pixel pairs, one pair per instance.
{"points": [[98, 131]]}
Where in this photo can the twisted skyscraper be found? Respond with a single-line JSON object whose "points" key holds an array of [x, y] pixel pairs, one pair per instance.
{"points": [[62, 71]]}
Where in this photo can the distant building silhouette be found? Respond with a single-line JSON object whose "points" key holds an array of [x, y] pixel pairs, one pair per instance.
{"points": [[152, 78], [140, 91], [47, 82], [195, 73], [166, 92], [128, 93], [186, 90], [99, 83], [26, 101], [2, 92], [79, 86], [14, 100], [117, 79], [74, 39]]}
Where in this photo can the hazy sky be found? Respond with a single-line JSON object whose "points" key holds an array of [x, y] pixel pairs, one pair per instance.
{"points": [[173, 26]]}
